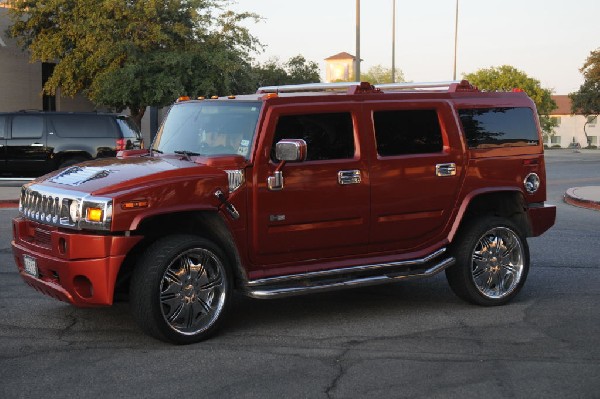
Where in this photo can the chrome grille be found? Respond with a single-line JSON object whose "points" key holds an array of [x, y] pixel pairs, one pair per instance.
{"points": [[48, 206]]}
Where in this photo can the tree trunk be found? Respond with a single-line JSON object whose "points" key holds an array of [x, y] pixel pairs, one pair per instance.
{"points": [[137, 113]]}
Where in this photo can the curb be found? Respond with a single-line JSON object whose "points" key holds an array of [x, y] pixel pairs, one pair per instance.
{"points": [[10, 203], [574, 197]]}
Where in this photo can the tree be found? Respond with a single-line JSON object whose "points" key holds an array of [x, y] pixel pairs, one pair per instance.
{"points": [[586, 100], [131, 54], [379, 74], [296, 70], [506, 78]]}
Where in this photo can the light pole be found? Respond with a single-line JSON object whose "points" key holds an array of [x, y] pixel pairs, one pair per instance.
{"points": [[455, 40], [357, 61], [393, 41]]}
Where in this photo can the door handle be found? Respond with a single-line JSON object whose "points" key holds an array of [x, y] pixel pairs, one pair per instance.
{"points": [[37, 145], [349, 177], [445, 169]]}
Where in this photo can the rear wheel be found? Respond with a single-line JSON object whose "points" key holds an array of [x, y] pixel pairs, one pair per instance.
{"points": [[492, 262], [181, 289]]}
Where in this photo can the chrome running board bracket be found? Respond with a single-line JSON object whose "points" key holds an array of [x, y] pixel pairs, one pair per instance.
{"points": [[357, 276]]}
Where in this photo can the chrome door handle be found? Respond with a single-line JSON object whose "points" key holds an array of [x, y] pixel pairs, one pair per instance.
{"points": [[445, 169], [37, 145], [349, 177]]}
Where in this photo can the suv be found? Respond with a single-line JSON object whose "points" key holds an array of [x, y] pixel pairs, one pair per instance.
{"points": [[33, 143], [292, 190]]}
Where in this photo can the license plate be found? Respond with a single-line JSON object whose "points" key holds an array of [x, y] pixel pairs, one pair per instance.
{"points": [[30, 265]]}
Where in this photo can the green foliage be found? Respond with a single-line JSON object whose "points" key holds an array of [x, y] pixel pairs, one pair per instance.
{"points": [[135, 53], [586, 100], [379, 74], [296, 70], [506, 78]]}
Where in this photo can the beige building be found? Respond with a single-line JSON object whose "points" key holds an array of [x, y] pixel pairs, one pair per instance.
{"points": [[340, 67], [570, 130], [21, 81]]}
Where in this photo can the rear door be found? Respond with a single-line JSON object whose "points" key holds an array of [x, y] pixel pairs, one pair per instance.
{"points": [[26, 150], [415, 175]]}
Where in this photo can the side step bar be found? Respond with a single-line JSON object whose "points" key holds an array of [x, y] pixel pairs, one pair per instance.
{"points": [[357, 276]]}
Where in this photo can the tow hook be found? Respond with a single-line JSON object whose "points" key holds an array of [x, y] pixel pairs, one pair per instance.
{"points": [[235, 215]]}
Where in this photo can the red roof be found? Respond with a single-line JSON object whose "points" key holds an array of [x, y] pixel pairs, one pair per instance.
{"points": [[564, 105], [341, 56]]}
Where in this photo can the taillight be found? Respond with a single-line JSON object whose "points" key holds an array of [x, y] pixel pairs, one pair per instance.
{"points": [[121, 144]]}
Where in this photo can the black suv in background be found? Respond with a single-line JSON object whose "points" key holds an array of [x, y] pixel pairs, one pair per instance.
{"points": [[33, 143]]}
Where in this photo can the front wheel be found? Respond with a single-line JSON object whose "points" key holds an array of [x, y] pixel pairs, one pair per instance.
{"points": [[181, 289], [492, 262]]}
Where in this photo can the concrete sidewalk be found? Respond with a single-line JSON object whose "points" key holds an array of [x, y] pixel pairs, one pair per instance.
{"points": [[584, 197]]}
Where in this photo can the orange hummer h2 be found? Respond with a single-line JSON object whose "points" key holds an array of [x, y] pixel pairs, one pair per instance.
{"points": [[292, 190]]}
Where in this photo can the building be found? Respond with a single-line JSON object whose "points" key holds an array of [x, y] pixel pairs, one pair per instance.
{"points": [[570, 131], [340, 68], [21, 82]]}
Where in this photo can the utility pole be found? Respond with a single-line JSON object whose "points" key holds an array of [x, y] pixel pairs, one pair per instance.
{"points": [[393, 41], [357, 61], [455, 40]]}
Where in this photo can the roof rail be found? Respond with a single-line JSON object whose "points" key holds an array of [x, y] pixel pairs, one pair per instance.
{"points": [[450, 85]]}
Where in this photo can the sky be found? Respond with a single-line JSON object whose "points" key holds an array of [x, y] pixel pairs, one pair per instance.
{"points": [[548, 40]]}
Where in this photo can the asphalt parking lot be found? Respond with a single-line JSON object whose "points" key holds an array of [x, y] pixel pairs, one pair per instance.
{"points": [[412, 339]]}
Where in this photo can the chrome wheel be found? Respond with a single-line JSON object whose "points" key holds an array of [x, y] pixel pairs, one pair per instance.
{"points": [[193, 291], [498, 261], [492, 261]]}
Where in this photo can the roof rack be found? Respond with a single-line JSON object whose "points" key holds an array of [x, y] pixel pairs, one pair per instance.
{"points": [[451, 85]]}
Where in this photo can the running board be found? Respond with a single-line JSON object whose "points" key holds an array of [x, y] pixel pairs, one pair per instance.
{"points": [[357, 276]]}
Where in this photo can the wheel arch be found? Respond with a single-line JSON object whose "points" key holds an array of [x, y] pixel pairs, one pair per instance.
{"points": [[206, 224], [506, 202]]}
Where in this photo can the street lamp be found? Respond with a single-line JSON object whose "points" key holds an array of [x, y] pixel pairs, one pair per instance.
{"points": [[357, 61], [455, 40]]}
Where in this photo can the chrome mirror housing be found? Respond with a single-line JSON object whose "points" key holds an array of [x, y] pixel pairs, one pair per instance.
{"points": [[290, 150]]}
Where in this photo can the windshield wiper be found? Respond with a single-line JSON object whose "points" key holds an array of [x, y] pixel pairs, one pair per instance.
{"points": [[187, 154], [154, 150]]}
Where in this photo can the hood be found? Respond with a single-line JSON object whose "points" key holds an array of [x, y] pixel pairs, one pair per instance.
{"points": [[110, 175]]}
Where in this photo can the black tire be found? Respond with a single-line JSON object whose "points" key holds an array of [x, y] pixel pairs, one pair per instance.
{"points": [[181, 289], [492, 261], [71, 161]]}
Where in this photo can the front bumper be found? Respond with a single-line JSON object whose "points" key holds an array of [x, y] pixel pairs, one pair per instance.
{"points": [[73, 267], [541, 218]]}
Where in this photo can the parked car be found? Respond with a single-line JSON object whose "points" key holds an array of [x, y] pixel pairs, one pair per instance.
{"points": [[33, 143], [295, 190]]}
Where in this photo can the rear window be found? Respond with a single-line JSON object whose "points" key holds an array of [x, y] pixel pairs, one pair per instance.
{"points": [[128, 128], [83, 125], [405, 132], [499, 127]]}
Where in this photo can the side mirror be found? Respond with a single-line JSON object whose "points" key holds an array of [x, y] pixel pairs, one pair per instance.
{"points": [[290, 150], [287, 150]]}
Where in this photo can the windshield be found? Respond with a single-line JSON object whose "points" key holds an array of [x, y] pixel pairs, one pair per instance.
{"points": [[209, 128]]}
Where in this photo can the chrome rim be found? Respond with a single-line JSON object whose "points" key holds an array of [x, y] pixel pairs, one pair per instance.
{"points": [[498, 262], [192, 292]]}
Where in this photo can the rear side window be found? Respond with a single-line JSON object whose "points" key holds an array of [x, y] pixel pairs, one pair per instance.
{"points": [[405, 132], [499, 127], [2, 127], [128, 128], [83, 126], [327, 135], [27, 127]]}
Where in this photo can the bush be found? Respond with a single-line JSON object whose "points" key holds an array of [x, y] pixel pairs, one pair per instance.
{"points": [[556, 146], [591, 147]]}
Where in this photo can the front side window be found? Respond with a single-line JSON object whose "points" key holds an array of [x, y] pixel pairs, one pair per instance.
{"points": [[499, 127], [403, 132], [27, 127], [327, 135], [209, 128]]}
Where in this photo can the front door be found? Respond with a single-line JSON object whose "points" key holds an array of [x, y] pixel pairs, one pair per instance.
{"points": [[26, 151], [322, 210]]}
